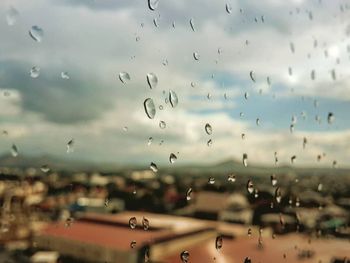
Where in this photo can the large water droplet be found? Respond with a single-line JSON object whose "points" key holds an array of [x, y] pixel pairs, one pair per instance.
{"points": [[153, 167], [153, 4], [152, 80], [36, 33], [34, 72], [12, 16], [145, 223], [132, 222], [208, 129], [150, 108], [245, 159], [172, 158], [14, 150], [70, 146], [185, 256], [124, 77], [250, 186], [173, 99], [218, 242]]}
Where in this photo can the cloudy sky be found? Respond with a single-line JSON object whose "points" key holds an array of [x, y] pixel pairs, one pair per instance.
{"points": [[301, 46]]}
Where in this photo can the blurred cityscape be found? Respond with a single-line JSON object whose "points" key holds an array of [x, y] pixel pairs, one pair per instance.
{"points": [[207, 214]]}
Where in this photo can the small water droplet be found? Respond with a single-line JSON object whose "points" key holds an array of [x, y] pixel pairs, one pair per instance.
{"points": [[124, 77], [153, 4], [133, 244], [150, 108], [14, 150], [192, 25], [257, 121], [228, 8], [36, 33], [34, 72], [132, 222], [252, 75], [293, 158], [246, 95], [231, 178], [172, 158], [150, 140], [65, 75], [273, 180], [278, 195], [173, 99], [152, 80], [250, 186], [292, 47], [196, 56], [208, 129], [245, 159], [211, 180], [70, 146], [249, 232], [12, 16], [153, 167], [330, 117], [247, 260], [162, 124], [218, 242], [209, 142], [45, 168], [145, 223], [189, 194], [185, 256]]}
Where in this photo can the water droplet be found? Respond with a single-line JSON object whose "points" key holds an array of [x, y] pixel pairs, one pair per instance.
{"points": [[290, 71], [292, 48], [45, 168], [146, 255], [330, 117], [152, 80], [211, 180], [153, 167], [189, 194], [228, 8], [320, 187], [250, 186], [313, 74], [196, 56], [172, 158], [209, 142], [257, 121], [278, 195], [241, 114], [246, 95], [243, 136], [162, 124], [291, 128], [106, 202], [70, 146], [14, 150], [65, 75], [245, 159], [293, 158], [153, 4], [249, 232], [218, 242], [231, 178], [192, 25], [185, 256], [12, 16], [145, 223], [252, 76], [173, 99], [69, 222], [34, 72], [297, 202], [304, 142], [247, 260], [132, 222], [256, 193], [334, 77], [133, 244], [208, 129], [150, 108], [124, 77], [36, 33], [273, 180], [149, 142], [155, 22]]}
